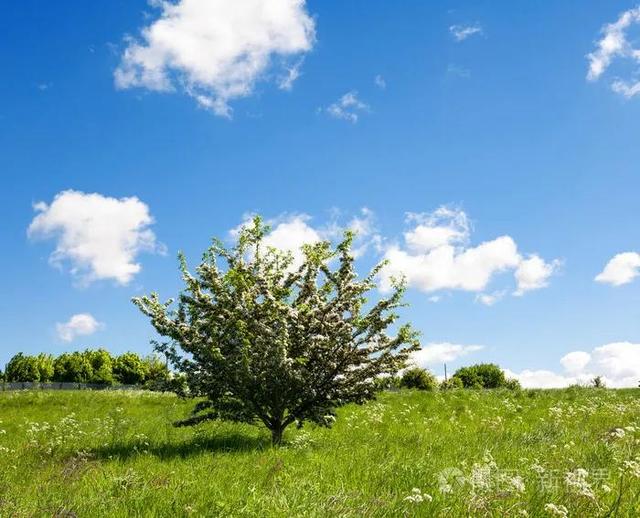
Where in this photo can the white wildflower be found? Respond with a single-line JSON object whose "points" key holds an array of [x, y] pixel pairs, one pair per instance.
{"points": [[518, 484], [617, 433], [417, 497], [632, 467], [576, 481], [557, 510], [537, 468]]}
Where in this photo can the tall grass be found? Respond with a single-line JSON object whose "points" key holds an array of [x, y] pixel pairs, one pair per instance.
{"points": [[456, 453]]}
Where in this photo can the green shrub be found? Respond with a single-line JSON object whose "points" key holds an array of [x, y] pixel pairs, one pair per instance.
{"points": [[102, 366], [23, 368], [512, 384], [387, 382], [129, 369], [486, 376], [482, 375], [44, 363], [417, 378], [72, 368], [451, 383]]}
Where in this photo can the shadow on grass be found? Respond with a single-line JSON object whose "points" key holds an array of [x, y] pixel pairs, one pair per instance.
{"points": [[228, 443]]}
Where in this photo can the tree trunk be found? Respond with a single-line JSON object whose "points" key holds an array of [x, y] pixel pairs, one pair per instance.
{"points": [[276, 435]]}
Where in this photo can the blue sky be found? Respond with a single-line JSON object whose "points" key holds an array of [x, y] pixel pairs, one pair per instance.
{"points": [[478, 118]]}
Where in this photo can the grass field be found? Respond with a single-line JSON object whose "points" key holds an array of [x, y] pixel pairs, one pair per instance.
{"points": [[457, 453]]}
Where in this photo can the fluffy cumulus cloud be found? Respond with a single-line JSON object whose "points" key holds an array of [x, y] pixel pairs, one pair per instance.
{"points": [[438, 353], [621, 269], [615, 43], [575, 362], [544, 379], [289, 232], [462, 32], [618, 363], [216, 50], [349, 107], [437, 255], [533, 273], [82, 324], [98, 236]]}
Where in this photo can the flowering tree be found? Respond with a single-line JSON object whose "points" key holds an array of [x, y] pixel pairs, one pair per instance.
{"points": [[263, 341]]}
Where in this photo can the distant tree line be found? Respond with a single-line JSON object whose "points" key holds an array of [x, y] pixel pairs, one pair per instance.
{"points": [[480, 376], [89, 366]]}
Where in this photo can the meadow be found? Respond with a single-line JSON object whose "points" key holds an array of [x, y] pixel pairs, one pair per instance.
{"points": [[573, 452]]}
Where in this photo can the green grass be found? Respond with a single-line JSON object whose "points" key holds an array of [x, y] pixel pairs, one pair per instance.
{"points": [[91, 454]]}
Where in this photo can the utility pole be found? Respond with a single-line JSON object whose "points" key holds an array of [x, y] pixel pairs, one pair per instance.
{"points": [[445, 372]]}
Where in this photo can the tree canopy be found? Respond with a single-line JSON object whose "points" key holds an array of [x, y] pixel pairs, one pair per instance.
{"points": [[264, 340], [484, 375], [96, 367]]}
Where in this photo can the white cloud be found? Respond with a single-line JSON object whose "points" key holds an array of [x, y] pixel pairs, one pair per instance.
{"points": [[82, 324], [380, 82], [462, 32], [292, 74], [348, 107], [628, 89], [615, 44], [441, 227], [618, 363], [99, 236], [621, 269], [533, 273], [438, 257], [438, 353], [543, 379], [289, 232], [489, 299], [576, 361], [216, 50]]}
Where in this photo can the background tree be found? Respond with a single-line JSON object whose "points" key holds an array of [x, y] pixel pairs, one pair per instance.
{"points": [[451, 384], [45, 368], [157, 373], [101, 366], [264, 342], [484, 375], [129, 369], [417, 378], [72, 368], [23, 368]]}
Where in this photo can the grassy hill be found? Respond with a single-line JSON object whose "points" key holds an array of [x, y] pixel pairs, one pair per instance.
{"points": [[457, 453]]}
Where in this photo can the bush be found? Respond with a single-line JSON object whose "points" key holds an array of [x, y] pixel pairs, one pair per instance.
{"points": [[90, 366], [23, 368], [387, 383], [44, 363], [512, 384], [417, 378], [484, 375], [101, 365], [72, 368], [129, 369], [451, 383]]}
